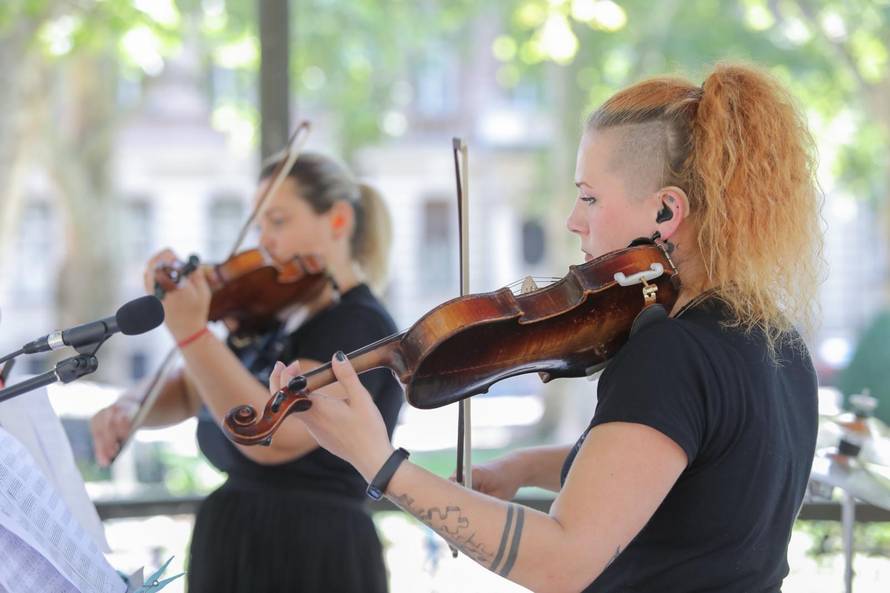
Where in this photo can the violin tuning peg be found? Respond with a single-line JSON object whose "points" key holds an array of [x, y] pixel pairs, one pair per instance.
{"points": [[297, 384], [279, 399], [266, 442], [302, 404]]}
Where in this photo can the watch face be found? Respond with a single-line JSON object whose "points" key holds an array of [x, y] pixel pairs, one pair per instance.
{"points": [[374, 493]]}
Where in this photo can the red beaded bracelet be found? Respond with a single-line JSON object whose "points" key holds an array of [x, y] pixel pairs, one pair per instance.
{"points": [[185, 342]]}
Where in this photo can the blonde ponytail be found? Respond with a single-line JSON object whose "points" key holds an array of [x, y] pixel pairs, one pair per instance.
{"points": [[372, 239], [759, 228]]}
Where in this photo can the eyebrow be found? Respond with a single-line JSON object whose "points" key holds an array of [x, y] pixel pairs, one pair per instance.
{"points": [[584, 183]]}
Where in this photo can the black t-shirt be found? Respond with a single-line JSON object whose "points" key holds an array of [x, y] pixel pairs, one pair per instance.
{"points": [[748, 427], [358, 319]]}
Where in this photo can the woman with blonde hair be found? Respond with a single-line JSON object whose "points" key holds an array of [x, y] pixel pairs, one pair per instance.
{"points": [[695, 463], [290, 516]]}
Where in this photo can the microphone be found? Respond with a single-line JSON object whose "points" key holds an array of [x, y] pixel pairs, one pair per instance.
{"points": [[133, 318]]}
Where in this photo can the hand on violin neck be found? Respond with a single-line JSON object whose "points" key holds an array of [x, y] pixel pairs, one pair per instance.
{"points": [[343, 418], [186, 309]]}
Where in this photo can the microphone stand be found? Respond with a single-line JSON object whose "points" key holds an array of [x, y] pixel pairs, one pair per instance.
{"points": [[66, 371]]}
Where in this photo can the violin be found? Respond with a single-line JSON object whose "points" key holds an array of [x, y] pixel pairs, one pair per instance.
{"points": [[570, 328], [249, 287]]}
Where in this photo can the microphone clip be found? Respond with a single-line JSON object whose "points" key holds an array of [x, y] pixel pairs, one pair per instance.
{"points": [[91, 349], [76, 367]]}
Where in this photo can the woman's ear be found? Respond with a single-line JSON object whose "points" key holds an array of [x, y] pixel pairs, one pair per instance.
{"points": [[673, 208], [342, 217]]}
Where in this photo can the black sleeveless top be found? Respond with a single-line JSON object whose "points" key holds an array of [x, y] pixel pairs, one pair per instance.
{"points": [[357, 320]]}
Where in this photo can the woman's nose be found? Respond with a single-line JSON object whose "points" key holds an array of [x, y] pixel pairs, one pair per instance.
{"points": [[575, 222], [266, 241]]}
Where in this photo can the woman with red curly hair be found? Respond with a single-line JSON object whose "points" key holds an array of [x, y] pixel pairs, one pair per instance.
{"points": [[695, 463]]}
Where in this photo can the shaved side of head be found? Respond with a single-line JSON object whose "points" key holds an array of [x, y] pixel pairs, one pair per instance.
{"points": [[639, 156]]}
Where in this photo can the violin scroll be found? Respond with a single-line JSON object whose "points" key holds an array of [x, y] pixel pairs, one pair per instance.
{"points": [[245, 428], [168, 275]]}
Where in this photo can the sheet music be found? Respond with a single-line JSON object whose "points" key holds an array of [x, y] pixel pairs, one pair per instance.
{"points": [[33, 422], [26, 570], [40, 539]]}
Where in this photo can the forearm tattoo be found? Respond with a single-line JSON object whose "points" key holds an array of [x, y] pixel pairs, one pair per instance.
{"points": [[506, 555], [455, 526]]}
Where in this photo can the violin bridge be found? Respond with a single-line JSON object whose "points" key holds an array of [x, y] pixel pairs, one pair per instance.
{"points": [[528, 285]]}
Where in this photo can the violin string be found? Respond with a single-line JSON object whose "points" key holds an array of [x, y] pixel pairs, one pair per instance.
{"points": [[536, 279]]}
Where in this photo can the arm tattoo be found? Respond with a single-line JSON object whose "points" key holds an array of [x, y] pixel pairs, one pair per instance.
{"points": [[454, 526], [508, 552], [450, 523]]}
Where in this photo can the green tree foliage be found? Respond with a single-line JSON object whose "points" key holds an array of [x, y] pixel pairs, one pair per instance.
{"points": [[832, 54], [351, 58]]}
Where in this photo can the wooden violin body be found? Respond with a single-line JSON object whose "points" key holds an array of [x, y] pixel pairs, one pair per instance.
{"points": [[462, 347], [566, 329], [250, 289]]}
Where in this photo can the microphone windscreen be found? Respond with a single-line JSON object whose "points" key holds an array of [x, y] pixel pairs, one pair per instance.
{"points": [[139, 315]]}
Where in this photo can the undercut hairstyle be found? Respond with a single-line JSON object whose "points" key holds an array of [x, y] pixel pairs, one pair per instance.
{"points": [[639, 157], [740, 149]]}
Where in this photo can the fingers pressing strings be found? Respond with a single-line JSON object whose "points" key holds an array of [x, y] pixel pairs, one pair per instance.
{"points": [[283, 374]]}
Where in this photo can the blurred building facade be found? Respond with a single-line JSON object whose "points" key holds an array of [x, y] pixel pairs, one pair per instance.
{"points": [[182, 184]]}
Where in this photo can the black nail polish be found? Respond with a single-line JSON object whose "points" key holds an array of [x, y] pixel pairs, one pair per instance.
{"points": [[340, 356]]}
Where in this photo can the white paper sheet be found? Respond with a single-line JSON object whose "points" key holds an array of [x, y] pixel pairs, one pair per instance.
{"points": [[41, 539], [31, 419]]}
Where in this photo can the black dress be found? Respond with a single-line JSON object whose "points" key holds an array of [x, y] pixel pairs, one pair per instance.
{"points": [[299, 526]]}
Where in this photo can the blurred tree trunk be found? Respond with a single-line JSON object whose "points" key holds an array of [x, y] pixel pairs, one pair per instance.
{"points": [[20, 74], [59, 116], [79, 149]]}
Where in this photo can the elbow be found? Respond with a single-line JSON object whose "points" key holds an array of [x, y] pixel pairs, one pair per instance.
{"points": [[566, 577], [563, 584]]}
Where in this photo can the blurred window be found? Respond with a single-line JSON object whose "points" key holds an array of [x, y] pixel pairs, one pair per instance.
{"points": [[34, 262], [438, 274], [533, 245], [138, 365], [137, 230], [437, 85], [226, 218]]}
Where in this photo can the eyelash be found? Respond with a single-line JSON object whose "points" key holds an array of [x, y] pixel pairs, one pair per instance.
{"points": [[587, 199]]}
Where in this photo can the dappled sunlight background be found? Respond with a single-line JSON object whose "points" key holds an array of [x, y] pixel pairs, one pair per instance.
{"points": [[131, 125]]}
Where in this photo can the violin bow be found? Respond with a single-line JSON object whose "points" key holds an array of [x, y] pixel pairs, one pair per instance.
{"points": [[292, 151], [464, 472]]}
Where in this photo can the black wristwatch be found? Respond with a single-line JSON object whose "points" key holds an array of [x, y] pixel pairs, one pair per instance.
{"points": [[378, 485]]}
